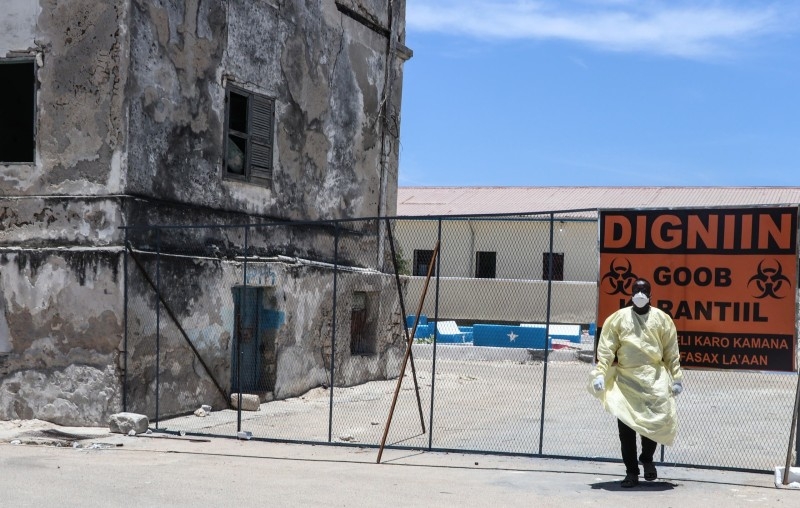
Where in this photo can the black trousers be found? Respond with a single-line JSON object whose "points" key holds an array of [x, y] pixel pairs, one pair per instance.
{"points": [[627, 439]]}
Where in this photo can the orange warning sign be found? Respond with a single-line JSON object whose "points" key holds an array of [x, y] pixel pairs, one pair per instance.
{"points": [[727, 276]]}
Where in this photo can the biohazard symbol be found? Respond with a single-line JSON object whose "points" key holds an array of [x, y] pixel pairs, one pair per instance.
{"points": [[620, 277], [769, 280]]}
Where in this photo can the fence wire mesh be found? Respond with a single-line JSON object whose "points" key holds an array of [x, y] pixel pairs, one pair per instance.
{"points": [[298, 332]]}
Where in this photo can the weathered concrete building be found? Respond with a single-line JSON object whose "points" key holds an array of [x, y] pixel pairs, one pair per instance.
{"points": [[189, 112]]}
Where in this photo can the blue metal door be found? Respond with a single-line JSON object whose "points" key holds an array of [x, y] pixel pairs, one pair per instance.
{"points": [[247, 360]]}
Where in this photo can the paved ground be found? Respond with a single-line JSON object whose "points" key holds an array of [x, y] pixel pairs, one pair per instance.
{"points": [[494, 403], [113, 470]]}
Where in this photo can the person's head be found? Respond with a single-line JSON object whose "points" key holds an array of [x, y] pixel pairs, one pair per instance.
{"points": [[641, 295]]}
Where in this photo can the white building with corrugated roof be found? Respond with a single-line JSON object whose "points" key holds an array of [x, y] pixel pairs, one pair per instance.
{"points": [[497, 268]]}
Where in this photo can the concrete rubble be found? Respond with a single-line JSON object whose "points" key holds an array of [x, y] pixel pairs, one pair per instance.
{"points": [[250, 402], [124, 423]]}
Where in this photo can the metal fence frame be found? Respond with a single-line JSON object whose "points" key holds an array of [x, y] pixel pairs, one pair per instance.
{"points": [[384, 231]]}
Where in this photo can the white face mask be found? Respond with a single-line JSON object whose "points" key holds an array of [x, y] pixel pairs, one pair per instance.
{"points": [[640, 299]]}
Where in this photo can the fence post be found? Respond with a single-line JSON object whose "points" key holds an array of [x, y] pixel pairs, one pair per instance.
{"points": [[125, 323], [158, 321], [333, 329], [547, 330], [438, 262], [239, 354]]}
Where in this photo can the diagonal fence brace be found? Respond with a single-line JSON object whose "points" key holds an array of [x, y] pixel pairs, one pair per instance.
{"points": [[177, 323]]}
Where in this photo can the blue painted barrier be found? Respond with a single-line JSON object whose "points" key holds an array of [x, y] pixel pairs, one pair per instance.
{"points": [[508, 336], [423, 331], [524, 336], [423, 320]]}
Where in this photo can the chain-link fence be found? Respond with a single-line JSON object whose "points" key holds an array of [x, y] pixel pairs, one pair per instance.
{"points": [[298, 332]]}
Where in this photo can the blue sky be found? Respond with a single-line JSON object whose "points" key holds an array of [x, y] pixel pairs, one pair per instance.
{"points": [[601, 92]]}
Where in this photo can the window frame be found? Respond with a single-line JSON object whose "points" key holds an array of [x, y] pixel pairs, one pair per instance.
{"points": [[259, 143], [485, 264], [558, 266], [33, 118], [428, 255]]}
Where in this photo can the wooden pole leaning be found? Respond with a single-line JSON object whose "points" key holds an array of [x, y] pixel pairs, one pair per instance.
{"points": [[405, 328], [409, 343]]}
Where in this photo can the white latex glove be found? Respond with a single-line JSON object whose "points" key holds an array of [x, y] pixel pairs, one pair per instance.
{"points": [[599, 384], [677, 388]]}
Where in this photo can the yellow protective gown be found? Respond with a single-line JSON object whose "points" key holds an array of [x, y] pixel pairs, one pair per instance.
{"points": [[638, 389]]}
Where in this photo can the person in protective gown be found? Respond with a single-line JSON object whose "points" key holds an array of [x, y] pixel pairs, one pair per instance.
{"points": [[640, 389]]}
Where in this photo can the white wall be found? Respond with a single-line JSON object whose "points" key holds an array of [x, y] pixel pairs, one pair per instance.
{"points": [[519, 246], [518, 293], [520, 301]]}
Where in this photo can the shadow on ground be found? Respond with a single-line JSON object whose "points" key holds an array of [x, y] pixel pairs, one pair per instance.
{"points": [[649, 486]]}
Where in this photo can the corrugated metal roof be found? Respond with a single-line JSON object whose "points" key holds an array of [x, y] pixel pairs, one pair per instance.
{"points": [[436, 201]]}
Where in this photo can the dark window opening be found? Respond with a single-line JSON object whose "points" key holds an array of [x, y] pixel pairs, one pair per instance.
{"points": [[237, 112], [362, 334], [558, 266], [422, 261], [18, 90], [248, 136], [485, 265]]}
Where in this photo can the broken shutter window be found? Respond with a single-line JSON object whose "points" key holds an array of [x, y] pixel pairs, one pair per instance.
{"points": [[261, 141], [248, 136], [18, 90]]}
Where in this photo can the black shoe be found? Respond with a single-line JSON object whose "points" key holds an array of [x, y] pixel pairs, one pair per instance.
{"points": [[630, 481], [650, 472]]}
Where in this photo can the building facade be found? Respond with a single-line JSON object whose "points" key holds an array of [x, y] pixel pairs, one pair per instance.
{"points": [[131, 112]]}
